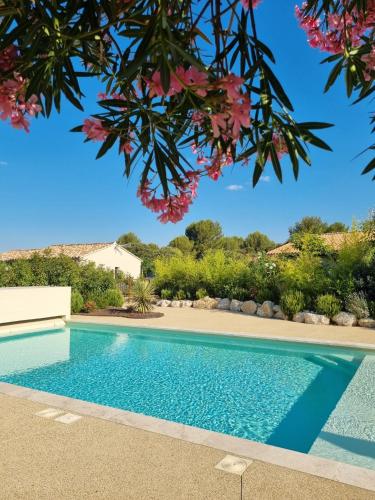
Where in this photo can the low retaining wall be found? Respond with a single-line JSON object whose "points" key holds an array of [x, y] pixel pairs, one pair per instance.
{"points": [[33, 302]]}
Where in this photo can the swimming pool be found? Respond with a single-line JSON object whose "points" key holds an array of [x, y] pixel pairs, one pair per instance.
{"points": [[278, 393]]}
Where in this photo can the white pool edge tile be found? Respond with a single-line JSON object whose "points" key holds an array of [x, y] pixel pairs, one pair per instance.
{"points": [[321, 467]]}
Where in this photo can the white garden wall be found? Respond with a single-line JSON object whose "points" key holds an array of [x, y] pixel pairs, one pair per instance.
{"points": [[34, 302]]}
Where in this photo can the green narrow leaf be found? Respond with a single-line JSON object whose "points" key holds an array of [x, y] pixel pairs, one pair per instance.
{"points": [[107, 144]]}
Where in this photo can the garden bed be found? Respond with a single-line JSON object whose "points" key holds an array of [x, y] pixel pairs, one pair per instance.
{"points": [[124, 313]]}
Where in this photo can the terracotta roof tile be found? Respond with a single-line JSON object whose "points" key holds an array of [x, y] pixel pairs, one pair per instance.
{"points": [[335, 241], [74, 250]]}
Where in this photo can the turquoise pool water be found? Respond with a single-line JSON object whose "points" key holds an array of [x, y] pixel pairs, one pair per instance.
{"points": [[278, 393]]}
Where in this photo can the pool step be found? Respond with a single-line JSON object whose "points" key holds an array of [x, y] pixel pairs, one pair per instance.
{"points": [[349, 433]]}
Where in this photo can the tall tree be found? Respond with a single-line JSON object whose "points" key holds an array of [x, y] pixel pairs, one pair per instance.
{"points": [[129, 239], [183, 244], [337, 227], [205, 235], [232, 244], [309, 224], [258, 242]]}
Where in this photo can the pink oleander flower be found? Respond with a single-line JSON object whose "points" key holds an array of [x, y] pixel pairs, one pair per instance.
{"points": [[127, 147], [343, 29], [174, 207], [13, 105], [7, 58], [246, 3], [239, 117], [19, 121], [369, 60], [219, 121], [192, 78], [93, 128], [197, 118], [197, 80], [280, 145], [232, 85]]}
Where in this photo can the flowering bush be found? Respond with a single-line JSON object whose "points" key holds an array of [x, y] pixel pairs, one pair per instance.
{"points": [[356, 304]]}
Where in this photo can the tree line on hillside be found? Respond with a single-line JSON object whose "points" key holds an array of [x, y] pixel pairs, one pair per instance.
{"points": [[206, 235]]}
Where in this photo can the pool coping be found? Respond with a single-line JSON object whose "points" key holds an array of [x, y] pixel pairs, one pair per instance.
{"points": [[321, 467]]}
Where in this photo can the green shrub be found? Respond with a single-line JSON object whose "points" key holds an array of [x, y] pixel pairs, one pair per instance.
{"points": [[180, 295], [77, 302], [143, 295], [356, 304], [89, 306], [166, 294], [305, 273], [113, 298], [236, 292], [328, 305], [371, 308], [292, 302], [201, 293]]}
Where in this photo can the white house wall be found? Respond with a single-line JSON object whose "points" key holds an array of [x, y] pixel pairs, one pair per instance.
{"points": [[113, 256]]}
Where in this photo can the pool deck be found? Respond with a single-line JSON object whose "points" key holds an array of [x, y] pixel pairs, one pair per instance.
{"points": [[96, 459], [103, 459], [241, 324]]}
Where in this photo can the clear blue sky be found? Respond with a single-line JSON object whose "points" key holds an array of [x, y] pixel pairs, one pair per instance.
{"points": [[52, 190]]}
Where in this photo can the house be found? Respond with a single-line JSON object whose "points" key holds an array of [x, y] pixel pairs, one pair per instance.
{"points": [[108, 255], [334, 241]]}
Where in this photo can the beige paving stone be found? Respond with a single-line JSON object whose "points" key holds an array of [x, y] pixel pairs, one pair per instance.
{"points": [[263, 481]]}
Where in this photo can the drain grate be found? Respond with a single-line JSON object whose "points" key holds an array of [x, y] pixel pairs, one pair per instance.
{"points": [[59, 416], [49, 413], [233, 465], [68, 418]]}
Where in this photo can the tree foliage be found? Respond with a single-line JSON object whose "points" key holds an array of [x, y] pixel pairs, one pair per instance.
{"points": [[205, 235], [176, 74]]}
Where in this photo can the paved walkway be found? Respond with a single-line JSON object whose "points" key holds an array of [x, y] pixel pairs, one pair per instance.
{"points": [[225, 321], [96, 459]]}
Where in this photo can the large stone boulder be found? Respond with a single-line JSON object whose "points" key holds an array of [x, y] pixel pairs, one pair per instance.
{"points": [[266, 309], [344, 319], [164, 303], [205, 303], [278, 313], [224, 304], [235, 305], [316, 319], [249, 307], [186, 303], [176, 303], [299, 317], [367, 322]]}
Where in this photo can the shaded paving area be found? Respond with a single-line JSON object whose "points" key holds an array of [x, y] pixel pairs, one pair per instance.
{"points": [[94, 458]]}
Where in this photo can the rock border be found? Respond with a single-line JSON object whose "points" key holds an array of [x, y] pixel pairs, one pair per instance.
{"points": [[268, 310]]}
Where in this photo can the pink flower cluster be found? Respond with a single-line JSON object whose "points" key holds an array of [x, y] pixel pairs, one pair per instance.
{"points": [[94, 130], [369, 60], [174, 207], [234, 112], [344, 29], [97, 132], [193, 79], [279, 144], [246, 3], [13, 103]]}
